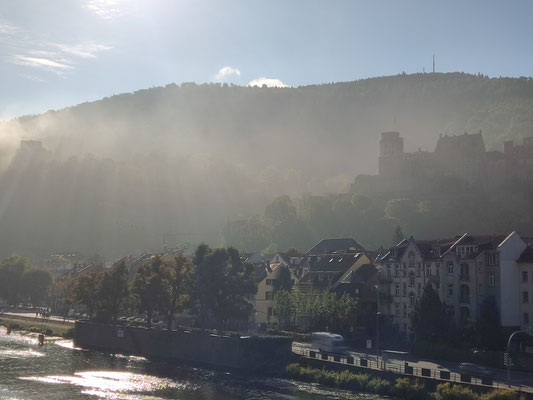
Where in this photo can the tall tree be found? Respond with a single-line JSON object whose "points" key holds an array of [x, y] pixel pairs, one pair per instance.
{"points": [[284, 307], [84, 291], [223, 284], [35, 285], [429, 320], [12, 270], [147, 288], [177, 280], [112, 292], [398, 235]]}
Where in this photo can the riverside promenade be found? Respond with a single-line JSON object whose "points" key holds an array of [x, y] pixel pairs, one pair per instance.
{"points": [[424, 369]]}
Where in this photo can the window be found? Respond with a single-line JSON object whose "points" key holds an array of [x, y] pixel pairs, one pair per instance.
{"points": [[269, 311], [404, 309], [450, 289], [526, 318], [524, 276], [396, 270], [437, 269], [419, 289], [411, 279], [525, 297], [428, 270], [492, 280], [397, 289], [411, 259], [388, 271], [411, 299], [397, 308], [404, 289], [450, 268], [269, 282], [419, 272], [269, 295], [492, 258]]}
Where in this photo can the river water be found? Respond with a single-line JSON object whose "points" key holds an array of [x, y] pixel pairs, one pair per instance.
{"points": [[57, 370]]}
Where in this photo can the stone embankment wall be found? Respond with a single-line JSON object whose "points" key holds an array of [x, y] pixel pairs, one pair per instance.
{"points": [[254, 353]]}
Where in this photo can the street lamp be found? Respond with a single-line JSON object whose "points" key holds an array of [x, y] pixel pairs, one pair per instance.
{"points": [[377, 337], [509, 356]]}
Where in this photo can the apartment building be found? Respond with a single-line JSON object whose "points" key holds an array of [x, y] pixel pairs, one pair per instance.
{"points": [[464, 271]]}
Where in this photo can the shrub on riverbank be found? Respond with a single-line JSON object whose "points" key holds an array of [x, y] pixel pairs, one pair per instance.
{"points": [[404, 388], [48, 328]]}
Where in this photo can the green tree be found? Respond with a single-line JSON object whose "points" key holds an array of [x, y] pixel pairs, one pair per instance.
{"points": [[223, 284], [35, 285], [281, 209], [177, 280], [488, 329], [147, 288], [112, 292], [284, 307], [429, 320], [84, 291], [12, 270], [398, 235]]}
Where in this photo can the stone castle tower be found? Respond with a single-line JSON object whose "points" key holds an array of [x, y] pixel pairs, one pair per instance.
{"points": [[390, 152]]}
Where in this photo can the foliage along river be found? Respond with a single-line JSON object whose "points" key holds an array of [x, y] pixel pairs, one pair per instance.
{"points": [[57, 370]]}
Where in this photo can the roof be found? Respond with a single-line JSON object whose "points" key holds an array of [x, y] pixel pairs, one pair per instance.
{"points": [[328, 246], [527, 256], [335, 262], [360, 275]]}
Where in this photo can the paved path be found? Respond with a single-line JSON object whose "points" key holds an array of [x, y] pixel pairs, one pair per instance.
{"points": [[31, 315], [519, 380]]}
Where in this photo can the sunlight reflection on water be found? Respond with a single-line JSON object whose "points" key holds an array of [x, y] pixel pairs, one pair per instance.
{"points": [[114, 384]]}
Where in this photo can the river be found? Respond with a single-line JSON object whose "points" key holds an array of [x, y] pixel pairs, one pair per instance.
{"points": [[57, 370]]}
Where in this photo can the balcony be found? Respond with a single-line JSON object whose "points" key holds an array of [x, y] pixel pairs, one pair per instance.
{"points": [[464, 299], [464, 277]]}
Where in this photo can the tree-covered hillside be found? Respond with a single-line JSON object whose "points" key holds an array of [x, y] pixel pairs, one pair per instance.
{"points": [[180, 161]]}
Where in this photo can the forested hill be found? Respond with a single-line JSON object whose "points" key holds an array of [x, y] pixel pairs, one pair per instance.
{"points": [[128, 171], [319, 132]]}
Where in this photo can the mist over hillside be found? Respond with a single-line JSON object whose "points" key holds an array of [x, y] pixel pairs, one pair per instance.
{"points": [[175, 163]]}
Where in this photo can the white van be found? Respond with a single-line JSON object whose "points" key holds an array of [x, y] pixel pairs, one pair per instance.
{"points": [[328, 342]]}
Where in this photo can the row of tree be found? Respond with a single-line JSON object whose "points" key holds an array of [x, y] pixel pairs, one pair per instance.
{"points": [[216, 285], [325, 310], [21, 282]]}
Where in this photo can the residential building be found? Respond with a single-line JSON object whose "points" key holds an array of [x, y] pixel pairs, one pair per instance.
{"points": [[271, 279], [464, 271], [525, 292]]}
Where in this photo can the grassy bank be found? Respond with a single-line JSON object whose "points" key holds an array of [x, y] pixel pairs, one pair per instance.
{"points": [[405, 388], [30, 324]]}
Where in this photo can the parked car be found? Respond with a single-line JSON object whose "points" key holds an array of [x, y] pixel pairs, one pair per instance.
{"points": [[474, 369]]}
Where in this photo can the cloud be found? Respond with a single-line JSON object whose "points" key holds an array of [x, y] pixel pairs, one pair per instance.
{"points": [[24, 48], [269, 82], [226, 71], [40, 62], [83, 50], [107, 9]]}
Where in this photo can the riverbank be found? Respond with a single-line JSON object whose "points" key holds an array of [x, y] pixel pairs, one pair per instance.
{"points": [[405, 388], [38, 325]]}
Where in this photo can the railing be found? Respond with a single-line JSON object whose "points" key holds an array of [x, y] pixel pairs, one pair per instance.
{"points": [[464, 299], [382, 364], [464, 277]]}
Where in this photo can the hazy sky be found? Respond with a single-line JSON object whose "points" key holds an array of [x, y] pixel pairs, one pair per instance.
{"points": [[56, 53]]}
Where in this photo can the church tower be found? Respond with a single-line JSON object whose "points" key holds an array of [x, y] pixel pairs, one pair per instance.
{"points": [[390, 152]]}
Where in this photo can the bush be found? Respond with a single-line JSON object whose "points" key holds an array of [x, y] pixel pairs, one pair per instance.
{"points": [[446, 391], [409, 390], [378, 385], [505, 394]]}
